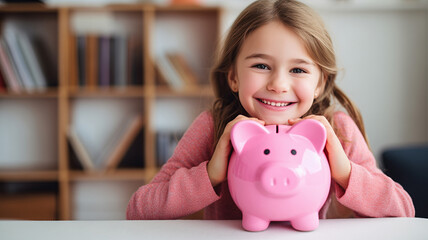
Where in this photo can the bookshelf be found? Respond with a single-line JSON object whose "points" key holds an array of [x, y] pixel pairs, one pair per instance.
{"points": [[100, 70]]}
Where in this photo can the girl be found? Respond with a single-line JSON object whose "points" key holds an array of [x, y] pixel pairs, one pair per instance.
{"points": [[277, 66]]}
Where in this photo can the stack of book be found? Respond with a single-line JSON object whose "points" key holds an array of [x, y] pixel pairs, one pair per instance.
{"points": [[20, 65], [105, 60], [174, 71]]}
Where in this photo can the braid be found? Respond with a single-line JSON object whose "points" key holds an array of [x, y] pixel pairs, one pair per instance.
{"points": [[351, 108]]}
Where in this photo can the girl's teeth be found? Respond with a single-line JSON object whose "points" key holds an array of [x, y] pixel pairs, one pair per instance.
{"points": [[274, 103]]}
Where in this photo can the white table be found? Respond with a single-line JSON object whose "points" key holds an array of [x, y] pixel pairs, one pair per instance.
{"points": [[361, 229]]}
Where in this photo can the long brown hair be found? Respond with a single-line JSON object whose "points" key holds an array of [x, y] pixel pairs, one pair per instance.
{"points": [[310, 28]]}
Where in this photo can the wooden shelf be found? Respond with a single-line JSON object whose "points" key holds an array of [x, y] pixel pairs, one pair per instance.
{"points": [[29, 175], [112, 7], [119, 174], [33, 7], [48, 93], [148, 30], [197, 91], [185, 8], [121, 92]]}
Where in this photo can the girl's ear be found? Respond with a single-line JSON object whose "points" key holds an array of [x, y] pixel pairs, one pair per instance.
{"points": [[321, 84], [231, 79]]}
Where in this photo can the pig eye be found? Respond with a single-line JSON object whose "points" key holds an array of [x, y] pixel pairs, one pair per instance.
{"points": [[266, 152], [293, 151]]}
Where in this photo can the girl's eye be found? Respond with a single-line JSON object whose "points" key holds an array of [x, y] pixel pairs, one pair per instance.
{"points": [[261, 66], [297, 70]]}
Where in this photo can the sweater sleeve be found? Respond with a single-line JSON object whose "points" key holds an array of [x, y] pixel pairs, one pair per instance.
{"points": [[182, 186], [370, 193]]}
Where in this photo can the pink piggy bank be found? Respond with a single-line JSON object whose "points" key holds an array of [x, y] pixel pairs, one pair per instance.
{"points": [[279, 173]]}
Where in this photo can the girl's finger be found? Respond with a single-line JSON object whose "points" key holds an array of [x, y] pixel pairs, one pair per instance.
{"points": [[294, 121]]}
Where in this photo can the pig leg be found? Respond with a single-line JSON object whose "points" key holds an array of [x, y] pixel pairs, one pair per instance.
{"points": [[306, 223], [253, 223]]}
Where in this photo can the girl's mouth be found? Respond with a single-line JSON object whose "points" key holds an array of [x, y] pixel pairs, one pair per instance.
{"points": [[275, 104]]}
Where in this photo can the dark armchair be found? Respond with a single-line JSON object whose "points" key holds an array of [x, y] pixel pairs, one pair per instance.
{"points": [[409, 167]]}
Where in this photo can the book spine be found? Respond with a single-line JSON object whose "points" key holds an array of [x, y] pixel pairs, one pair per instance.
{"points": [[120, 60], [81, 59], [80, 150], [92, 61], [74, 69], [32, 60], [18, 60], [2, 82], [169, 73], [104, 67], [7, 69]]}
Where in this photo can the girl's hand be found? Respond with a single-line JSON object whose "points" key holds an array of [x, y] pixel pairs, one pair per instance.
{"points": [[340, 165], [217, 166]]}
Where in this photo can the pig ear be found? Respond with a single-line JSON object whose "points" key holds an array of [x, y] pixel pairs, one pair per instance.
{"points": [[312, 130], [244, 130]]}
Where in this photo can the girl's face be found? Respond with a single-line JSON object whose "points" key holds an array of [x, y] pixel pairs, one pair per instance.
{"points": [[274, 75]]}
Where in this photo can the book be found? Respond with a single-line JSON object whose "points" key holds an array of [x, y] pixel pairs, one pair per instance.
{"points": [[6, 67], [80, 150], [91, 60], [166, 142], [160, 78], [17, 57], [32, 61], [183, 68], [168, 73], [135, 154], [104, 61], [74, 69], [2, 83], [81, 59], [120, 60], [161, 148], [118, 145], [135, 66]]}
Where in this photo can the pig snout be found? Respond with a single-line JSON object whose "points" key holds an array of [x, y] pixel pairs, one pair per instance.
{"points": [[279, 180]]}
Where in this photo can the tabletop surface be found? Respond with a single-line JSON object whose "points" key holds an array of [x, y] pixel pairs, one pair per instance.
{"points": [[361, 229]]}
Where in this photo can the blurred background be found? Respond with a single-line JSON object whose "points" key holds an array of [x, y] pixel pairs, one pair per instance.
{"points": [[79, 137]]}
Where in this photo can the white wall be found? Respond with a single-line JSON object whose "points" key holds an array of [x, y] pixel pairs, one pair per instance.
{"points": [[384, 55], [382, 51]]}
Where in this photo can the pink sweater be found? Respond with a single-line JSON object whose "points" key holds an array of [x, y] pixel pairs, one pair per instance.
{"points": [[182, 186]]}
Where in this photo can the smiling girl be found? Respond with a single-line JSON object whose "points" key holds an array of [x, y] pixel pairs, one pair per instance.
{"points": [[277, 66]]}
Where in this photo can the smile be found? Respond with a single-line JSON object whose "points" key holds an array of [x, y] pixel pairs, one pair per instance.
{"points": [[275, 104]]}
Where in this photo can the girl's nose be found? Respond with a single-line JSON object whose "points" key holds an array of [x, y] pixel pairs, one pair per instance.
{"points": [[279, 83]]}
